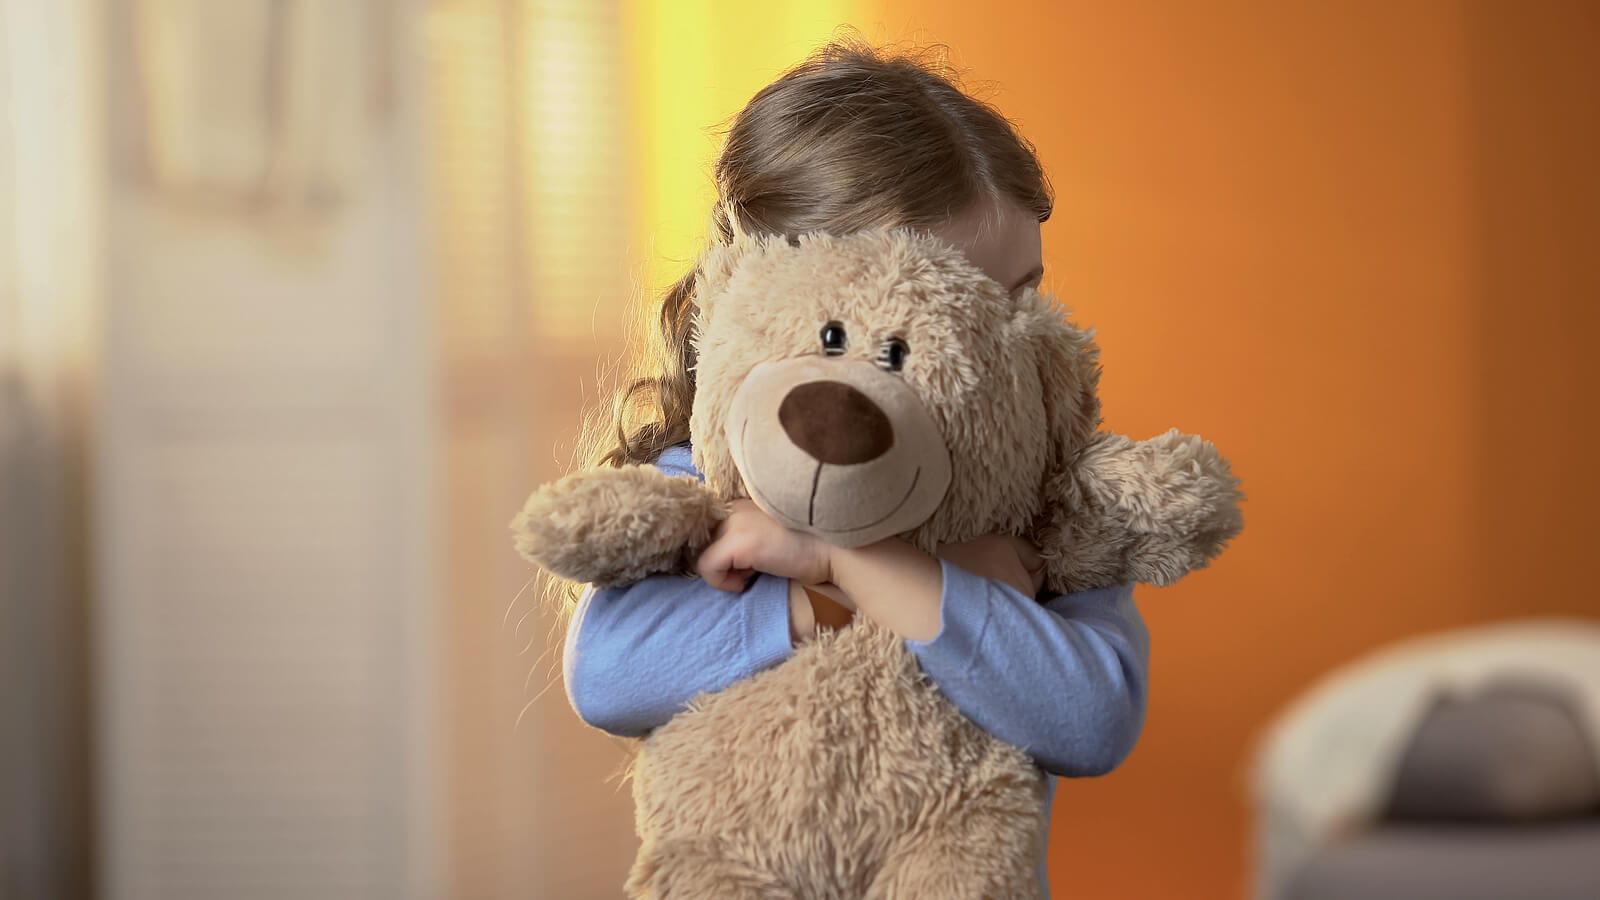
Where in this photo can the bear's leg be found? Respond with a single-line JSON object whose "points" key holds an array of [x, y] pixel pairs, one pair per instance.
{"points": [[983, 855], [700, 870]]}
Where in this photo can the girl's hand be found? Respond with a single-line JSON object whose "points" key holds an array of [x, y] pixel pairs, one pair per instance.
{"points": [[1010, 559], [750, 541]]}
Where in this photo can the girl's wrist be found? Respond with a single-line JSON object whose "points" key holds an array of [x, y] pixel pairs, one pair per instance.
{"points": [[894, 583], [848, 566]]}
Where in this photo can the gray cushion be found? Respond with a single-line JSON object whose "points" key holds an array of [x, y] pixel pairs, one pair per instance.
{"points": [[1458, 862], [1515, 751]]}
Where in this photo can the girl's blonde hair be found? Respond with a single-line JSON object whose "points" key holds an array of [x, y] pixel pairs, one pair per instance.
{"points": [[853, 137]]}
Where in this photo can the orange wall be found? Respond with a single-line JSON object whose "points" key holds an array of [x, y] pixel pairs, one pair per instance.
{"points": [[1356, 244]]}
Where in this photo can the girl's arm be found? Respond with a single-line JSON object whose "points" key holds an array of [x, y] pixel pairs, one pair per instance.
{"points": [[636, 654], [1065, 680]]}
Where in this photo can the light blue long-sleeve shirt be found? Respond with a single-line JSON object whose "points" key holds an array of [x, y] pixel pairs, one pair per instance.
{"points": [[1064, 678]]}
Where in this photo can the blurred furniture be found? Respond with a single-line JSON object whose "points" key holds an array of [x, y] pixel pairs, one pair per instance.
{"points": [[1461, 766], [50, 226]]}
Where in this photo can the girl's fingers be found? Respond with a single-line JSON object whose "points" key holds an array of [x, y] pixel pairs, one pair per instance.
{"points": [[729, 581], [712, 564], [717, 566], [749, 541]]}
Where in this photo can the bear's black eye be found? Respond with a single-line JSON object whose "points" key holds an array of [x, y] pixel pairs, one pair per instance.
{"points": [[833, 339], [893, 355]]}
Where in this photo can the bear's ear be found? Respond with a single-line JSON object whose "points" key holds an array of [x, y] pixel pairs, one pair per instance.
{"points": [[718, 264], [714, 272], [1069, 374]]}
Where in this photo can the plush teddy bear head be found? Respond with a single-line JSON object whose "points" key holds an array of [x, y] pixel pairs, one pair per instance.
{"points": [[876, 384]]}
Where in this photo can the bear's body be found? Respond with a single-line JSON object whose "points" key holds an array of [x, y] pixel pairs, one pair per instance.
{"points": [[841, 774]]}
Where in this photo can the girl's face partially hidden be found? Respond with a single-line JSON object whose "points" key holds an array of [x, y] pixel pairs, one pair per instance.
{"points": [[1001, 240]]}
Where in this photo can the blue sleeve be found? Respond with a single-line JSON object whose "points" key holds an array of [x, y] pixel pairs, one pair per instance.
{"points": [[636, 654], [1065, 680]]}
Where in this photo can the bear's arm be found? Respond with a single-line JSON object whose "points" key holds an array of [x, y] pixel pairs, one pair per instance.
{"points": [[1139, 511], [610, 527]]}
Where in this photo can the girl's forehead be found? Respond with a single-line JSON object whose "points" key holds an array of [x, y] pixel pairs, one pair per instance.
{"points": [[1001, 239]]}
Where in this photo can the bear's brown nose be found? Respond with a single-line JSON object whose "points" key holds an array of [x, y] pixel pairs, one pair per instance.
{"points": [[835, 423]]}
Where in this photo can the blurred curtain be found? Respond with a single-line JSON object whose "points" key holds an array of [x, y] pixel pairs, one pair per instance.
{"points": [[49, 265], [528, 199]]}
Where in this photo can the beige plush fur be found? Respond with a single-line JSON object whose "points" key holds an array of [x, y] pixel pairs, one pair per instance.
{"points": [[615, 526], [842, 773]]}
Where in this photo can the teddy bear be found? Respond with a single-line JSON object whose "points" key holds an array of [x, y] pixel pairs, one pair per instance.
{"points": [[860, 387]]}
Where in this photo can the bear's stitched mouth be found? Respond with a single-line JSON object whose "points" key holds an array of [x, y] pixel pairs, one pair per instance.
{"points": [[816, 478]]}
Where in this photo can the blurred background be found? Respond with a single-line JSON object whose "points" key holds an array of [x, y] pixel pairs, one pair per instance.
{"points": [[299, 299]]}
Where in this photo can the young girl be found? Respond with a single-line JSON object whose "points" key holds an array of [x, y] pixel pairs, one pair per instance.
{"points": [[849, 139]]}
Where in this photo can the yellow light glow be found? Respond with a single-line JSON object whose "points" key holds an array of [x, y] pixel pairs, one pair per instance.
{"points": [[575, 183], [694, 64]]}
